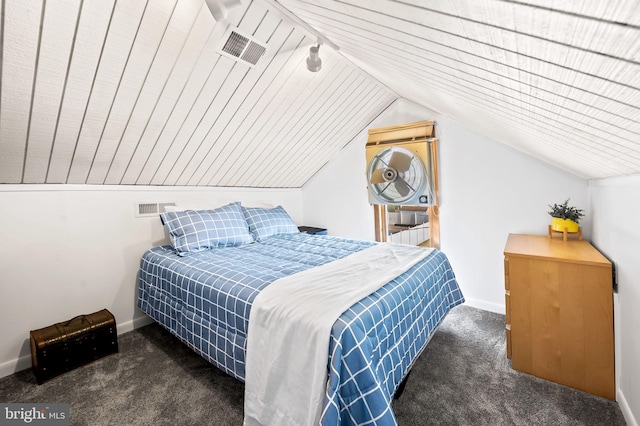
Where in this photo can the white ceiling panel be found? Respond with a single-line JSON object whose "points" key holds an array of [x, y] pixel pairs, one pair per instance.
{"points": [[58, 29], [219, 85], [208, 69], [623, 11], [164, 62], [197, 45], [93, 23], [135, 92], [129, 94], [20, 45], [126, 20]]}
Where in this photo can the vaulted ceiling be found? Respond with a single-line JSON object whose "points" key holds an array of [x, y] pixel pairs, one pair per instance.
{"points": [[137, 92]]}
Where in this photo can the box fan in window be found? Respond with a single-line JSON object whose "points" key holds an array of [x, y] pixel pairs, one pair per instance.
{"points": [[401, 165]]}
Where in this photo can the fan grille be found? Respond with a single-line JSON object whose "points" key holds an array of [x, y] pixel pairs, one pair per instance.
{"points": [[391, 191]]}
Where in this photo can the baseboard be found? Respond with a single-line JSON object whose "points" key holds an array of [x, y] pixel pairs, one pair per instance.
{"points": [[15, 365], [133, 324], [485, 306], [24, 362], [626, 410]]}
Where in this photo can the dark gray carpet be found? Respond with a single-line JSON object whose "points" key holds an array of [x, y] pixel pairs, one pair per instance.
{"points": [[462, 378]]}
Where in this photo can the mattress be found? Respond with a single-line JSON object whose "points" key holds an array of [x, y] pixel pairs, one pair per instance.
{"points": [[205, 300]]}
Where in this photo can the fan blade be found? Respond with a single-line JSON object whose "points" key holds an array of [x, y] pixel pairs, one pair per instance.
{"points": [[400, 161], [402, 187], [376, 176]]}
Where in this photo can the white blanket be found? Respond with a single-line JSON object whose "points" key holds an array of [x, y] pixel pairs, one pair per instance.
{"points": [[290, 328]]}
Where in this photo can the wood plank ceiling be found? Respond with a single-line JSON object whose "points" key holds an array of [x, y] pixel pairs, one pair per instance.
{"points": [[557, 79], [135, 92]]}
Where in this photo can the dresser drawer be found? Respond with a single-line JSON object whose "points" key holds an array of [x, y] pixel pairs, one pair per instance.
{"points": [[508, 331]]}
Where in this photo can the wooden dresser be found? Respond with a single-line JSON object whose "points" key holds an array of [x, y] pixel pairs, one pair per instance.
{"points": [[559, 308]]}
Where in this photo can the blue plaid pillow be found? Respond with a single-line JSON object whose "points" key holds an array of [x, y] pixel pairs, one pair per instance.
{"points": [[198, 230], [266, 222]]}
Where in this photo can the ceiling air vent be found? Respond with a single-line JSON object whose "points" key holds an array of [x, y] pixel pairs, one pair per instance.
{"points": [[241, 47]]}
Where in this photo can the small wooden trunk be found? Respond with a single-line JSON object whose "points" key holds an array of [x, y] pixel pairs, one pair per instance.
{"points": [[67, 345]]}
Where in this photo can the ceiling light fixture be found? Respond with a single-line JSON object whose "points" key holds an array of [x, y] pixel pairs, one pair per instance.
{"points": [[220, 8], [314, 63]]}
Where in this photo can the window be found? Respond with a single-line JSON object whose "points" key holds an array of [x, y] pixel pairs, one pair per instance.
{"points": [[414, 219], [407, 224]]}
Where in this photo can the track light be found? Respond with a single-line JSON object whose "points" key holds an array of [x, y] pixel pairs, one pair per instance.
{"points": [[314, 63]]}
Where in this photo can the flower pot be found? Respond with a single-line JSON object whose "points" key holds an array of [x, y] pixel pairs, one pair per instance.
{"points": [[558, 224]]}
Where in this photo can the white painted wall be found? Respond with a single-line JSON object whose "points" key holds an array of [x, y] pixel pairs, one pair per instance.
{"points": [[615, 204], [68, 250], [487, 190]]}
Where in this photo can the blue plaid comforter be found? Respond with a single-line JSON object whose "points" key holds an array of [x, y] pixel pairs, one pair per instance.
{"points": [[205, 298]]}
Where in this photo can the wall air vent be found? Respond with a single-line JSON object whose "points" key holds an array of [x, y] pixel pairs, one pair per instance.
{"points": [[241, 47], [151, 209]]}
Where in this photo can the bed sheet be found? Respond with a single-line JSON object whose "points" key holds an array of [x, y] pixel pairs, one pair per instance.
{"points": [[205, 300]]}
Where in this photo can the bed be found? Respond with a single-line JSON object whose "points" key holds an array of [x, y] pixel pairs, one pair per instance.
{"points": [[202, 287]]}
